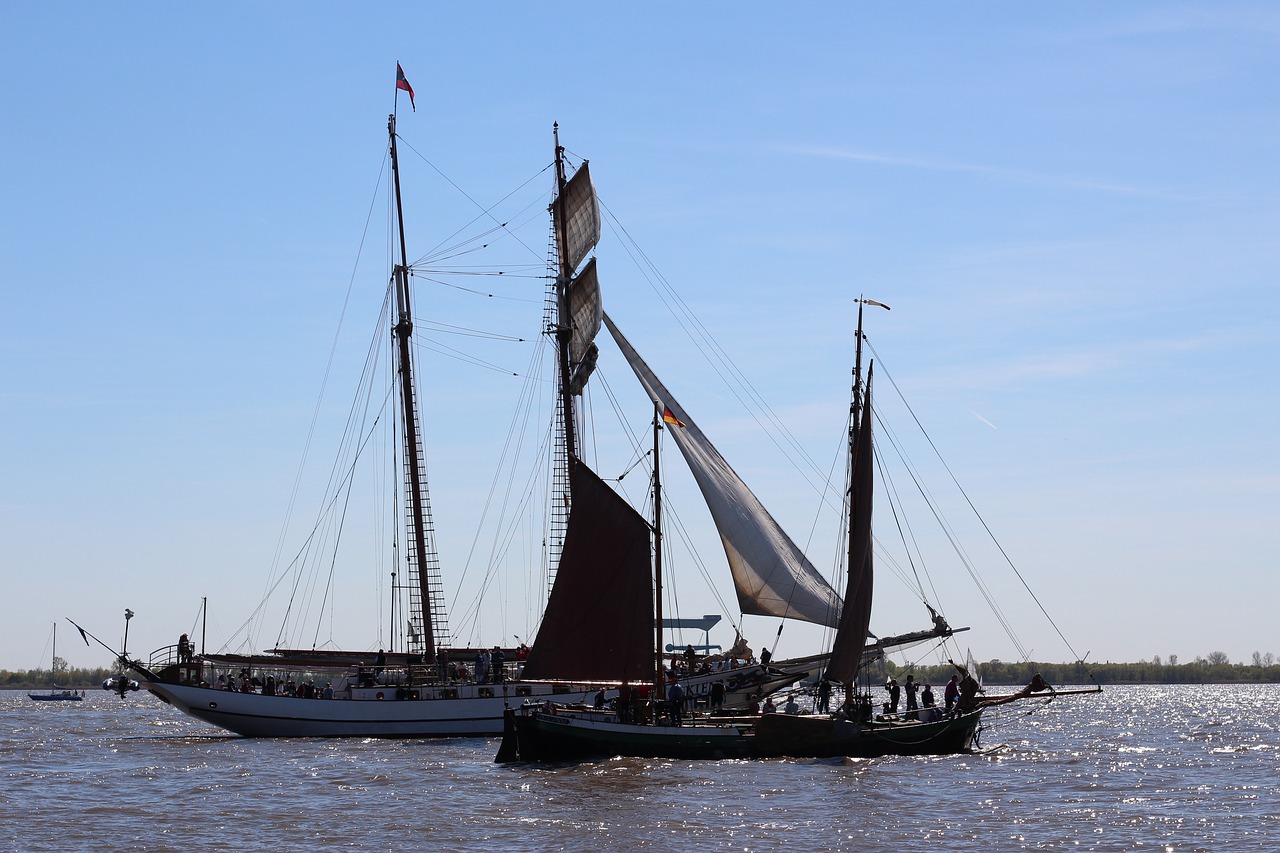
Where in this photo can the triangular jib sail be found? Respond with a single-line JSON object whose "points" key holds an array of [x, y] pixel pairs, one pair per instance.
{"points": [[772, 576]]}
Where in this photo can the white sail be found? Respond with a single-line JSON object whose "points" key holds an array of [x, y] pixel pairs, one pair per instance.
{"points": [[585, 311], [578, 220], [772, 576]]}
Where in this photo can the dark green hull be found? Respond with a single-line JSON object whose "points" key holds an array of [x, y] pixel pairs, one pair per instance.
{"points": [[539, 735], [543, 736], [779, 735]]}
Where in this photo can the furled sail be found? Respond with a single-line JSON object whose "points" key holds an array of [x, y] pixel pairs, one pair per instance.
{"points": [[851, 633], [577, 218], [772, 576], [598, 624]]}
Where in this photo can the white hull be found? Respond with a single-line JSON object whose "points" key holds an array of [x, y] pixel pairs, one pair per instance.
{"points": [[461, 710], [256, 715]]}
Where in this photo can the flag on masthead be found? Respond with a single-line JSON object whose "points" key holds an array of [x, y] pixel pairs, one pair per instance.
{"points": [[402, 82]]}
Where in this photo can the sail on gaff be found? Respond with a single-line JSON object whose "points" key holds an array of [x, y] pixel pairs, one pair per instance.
{"points": [[770, 573], [598, 625], [851, 633]]}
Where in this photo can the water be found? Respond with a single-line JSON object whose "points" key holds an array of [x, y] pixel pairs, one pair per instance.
{"points": [[1177, 768]]}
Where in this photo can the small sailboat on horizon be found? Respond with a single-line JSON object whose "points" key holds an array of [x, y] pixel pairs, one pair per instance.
{"points": [[56, 694]]}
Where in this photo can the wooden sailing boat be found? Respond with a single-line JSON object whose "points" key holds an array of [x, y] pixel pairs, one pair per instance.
{"points": [[539, 732], [55, 694], [853, 730]]}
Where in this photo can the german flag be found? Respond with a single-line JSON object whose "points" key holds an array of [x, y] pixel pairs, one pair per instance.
{"points": [[669, 418]]}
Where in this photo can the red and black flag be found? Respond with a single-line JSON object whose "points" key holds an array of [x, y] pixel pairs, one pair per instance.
{"points": [[402, 82], [669, 417]]}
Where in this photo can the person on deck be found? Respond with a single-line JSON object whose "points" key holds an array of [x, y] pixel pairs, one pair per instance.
{"points": [[497, 662], [951, 693], [717, 694], [930, 709], [895, 693], [824, 697], [969, 690], [184, 649], [675, 695], [912, 704], [623, 705], [765, 657]]}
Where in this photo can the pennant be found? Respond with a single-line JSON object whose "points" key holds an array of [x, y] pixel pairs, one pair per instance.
{"points": [[668, 417], [402, 82], [83, 635]]}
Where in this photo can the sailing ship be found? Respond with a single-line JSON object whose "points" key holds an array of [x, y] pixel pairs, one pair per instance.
{"points": [[656, 725], [55, 693], [425, 688]]}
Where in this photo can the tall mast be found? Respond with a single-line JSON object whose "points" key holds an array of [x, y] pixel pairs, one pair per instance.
{"points": [[658, 695], [856, 405], [413, 473], [564, 329]]}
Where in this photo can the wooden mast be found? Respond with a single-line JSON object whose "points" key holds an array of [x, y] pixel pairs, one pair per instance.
{"points": [[658, 680], [403, 329], [855, 418], [564, 328]]}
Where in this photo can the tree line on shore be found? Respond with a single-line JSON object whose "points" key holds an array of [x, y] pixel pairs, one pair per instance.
{"points": [[1213, 669], [39, 679]]}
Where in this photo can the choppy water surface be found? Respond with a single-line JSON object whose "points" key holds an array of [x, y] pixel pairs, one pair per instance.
{"points": [[1180, 768]]}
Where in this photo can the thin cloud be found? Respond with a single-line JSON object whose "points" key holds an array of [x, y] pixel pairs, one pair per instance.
{"points": [[984, 420], [1022, 175], [1098, 359]]}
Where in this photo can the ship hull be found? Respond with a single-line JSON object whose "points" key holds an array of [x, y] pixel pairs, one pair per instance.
{"points": [[821, 736], [553, 733], [457, 710]]}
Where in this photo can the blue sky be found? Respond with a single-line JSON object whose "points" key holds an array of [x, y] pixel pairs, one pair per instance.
{"points": [[1071, 209]]}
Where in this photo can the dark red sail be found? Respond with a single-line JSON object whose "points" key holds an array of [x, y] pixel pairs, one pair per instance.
{"points": [[855, 617], [599, 619]]}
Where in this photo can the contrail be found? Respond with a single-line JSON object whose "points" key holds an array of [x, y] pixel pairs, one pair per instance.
{"points": [[984, 420]]}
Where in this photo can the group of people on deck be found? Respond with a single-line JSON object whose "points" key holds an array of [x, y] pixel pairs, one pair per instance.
{"points": [[959, 696], [269, 687]]}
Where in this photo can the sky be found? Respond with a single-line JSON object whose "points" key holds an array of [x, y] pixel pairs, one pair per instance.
{"points": [[1071, 210]]}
